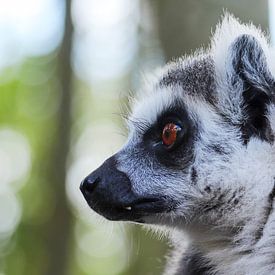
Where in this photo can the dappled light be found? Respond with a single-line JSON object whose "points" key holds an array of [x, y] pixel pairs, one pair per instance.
{"points": [[33, 25], [110, 28], [64, 88]]}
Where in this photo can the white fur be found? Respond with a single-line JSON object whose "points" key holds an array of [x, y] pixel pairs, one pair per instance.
{"points": [[243, 173]]}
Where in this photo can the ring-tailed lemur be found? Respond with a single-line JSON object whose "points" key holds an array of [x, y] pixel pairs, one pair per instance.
{"points": [[200, 157]]}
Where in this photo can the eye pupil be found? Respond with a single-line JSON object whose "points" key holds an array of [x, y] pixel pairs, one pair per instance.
{"points": [[169, 134]]}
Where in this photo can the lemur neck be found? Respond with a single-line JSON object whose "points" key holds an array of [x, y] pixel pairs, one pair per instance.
{"points": [[251, 250]]}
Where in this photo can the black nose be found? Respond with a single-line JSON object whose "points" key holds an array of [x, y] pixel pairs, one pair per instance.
{"points": [[106, 185], [88, 186], [107, 189], [109, 192]]}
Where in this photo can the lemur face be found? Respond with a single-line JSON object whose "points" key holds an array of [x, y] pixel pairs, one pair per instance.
{"points": [[200, 141]]}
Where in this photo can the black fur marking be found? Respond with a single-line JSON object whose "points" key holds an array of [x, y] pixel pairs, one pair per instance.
{"points": [[218, 149], [196, 78], [233, 197], [181, 155], [194, 175], [268, 210], [256, 110], [250, 65], [194, 264], [236, 196], [216, 202], [207, 189], [236, 201], [245, 252], [212, 207]]}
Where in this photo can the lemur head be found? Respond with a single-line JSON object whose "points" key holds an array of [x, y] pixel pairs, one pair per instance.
{"points": [[200, 150]]}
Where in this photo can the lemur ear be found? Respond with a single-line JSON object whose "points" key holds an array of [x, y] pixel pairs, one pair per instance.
{"points": [[244, 77]]}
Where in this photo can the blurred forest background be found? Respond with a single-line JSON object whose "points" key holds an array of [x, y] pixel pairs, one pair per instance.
{"points": [[65, 71]]}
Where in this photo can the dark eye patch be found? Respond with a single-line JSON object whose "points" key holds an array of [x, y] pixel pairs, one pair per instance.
{"points": [[182, 152]]}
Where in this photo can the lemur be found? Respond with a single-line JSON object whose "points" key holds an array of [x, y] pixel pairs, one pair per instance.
{"points": [[199, 161]]}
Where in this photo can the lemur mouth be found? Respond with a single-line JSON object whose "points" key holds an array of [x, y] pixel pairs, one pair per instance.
{"points": [[109, 192], [130, 211]]}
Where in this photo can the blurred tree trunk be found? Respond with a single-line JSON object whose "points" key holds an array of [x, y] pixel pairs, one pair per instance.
{"points": [[58, 227], [185, 25]]}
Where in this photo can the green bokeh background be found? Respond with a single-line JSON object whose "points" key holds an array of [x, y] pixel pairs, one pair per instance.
{"points": [[63, 120]]}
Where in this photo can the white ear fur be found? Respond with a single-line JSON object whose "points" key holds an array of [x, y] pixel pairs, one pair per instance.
{"points": [[225, 34]]}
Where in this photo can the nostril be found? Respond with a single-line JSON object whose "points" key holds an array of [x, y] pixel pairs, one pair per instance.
{"points": [[88, 185]]}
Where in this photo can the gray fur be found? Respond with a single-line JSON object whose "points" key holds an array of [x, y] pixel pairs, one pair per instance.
{"points": [[219, 182], [196, 78], [223, 192]]}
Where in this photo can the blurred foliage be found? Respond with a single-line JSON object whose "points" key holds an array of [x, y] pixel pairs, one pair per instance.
{"points": [[31, 99], [33, 91]]}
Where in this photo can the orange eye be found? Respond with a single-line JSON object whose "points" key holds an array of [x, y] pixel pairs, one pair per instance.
{"points": [[169, 134]]}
